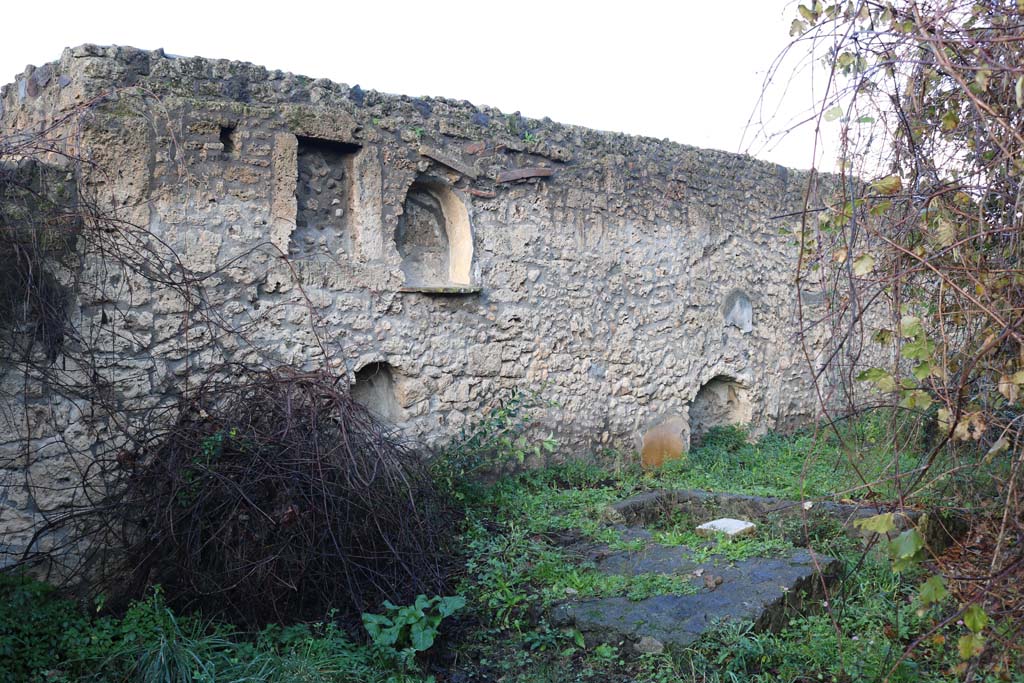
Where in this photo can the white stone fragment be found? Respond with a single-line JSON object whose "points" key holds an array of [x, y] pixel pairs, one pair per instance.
{"points": [[729, 527]]}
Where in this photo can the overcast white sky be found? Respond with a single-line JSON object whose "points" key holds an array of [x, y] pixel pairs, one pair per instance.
{"points": [[686, 70]]}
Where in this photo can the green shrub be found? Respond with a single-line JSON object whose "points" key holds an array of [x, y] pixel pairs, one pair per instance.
{"points": [[725, 438], [39, 630], [498, 439], [403, 631]]}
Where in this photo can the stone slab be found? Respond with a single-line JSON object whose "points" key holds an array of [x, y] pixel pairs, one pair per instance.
{"points": [[726, 525], [767, 591]]}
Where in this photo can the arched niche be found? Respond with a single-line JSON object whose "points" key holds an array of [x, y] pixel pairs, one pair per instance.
{"points": [[738, 311], [374, 389], [722, 400], [434, 238]]}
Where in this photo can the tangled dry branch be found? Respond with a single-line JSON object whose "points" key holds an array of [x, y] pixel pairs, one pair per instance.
{"points": [[276, 497], [251, 490]]}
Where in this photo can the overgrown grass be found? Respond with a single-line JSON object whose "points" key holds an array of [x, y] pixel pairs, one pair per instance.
{"points": [[518, 567], [44, 637], [520, 540]]}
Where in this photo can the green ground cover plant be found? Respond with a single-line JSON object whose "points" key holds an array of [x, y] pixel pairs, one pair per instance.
{"points": [[519, 538]]}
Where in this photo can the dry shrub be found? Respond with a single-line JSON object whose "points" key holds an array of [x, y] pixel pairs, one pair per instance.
{"points": [[277, 497]]}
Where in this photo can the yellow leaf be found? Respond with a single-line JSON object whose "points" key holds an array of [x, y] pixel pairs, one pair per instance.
{"points": [[977, 423], [1009, 388], [945, 232], [962, 431], [863, 264], [981, 78], [839, 255], [879, 524], [890, 184], [998, 447], [990, 342], [1018, 90]]}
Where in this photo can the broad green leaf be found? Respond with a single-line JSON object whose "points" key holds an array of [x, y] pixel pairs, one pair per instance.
{"points": [[916, 399], [933, 590], [921, 348], [922, 371], [890, 184], [863, 264], [882, 379], [882, 336], [970, 645], [950, 120], [450, 605], [905, 549], [833, 113], [881, 207], [975, 618], [807, 13], [577, 637], [421, 636], [910, 326], [880, 524]]}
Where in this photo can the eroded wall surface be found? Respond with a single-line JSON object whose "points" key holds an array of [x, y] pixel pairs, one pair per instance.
{"points": [[616, 274]]}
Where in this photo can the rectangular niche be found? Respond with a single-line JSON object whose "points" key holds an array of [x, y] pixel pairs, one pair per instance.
{"points": [[324, 196]]}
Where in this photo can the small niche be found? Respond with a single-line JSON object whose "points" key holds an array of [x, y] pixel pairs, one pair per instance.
{"points": [[374, 389], [721, 401], [323, 196], [433, 238], [738, 311], [228, 139]]}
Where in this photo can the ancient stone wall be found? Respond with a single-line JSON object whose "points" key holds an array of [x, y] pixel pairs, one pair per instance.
{"points": [[437, 252]]}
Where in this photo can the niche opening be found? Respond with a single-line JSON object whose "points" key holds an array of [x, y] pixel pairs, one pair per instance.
{"points": [[324, 198], [227, 139], [374, 389], [434, 239], [721, 401]]}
